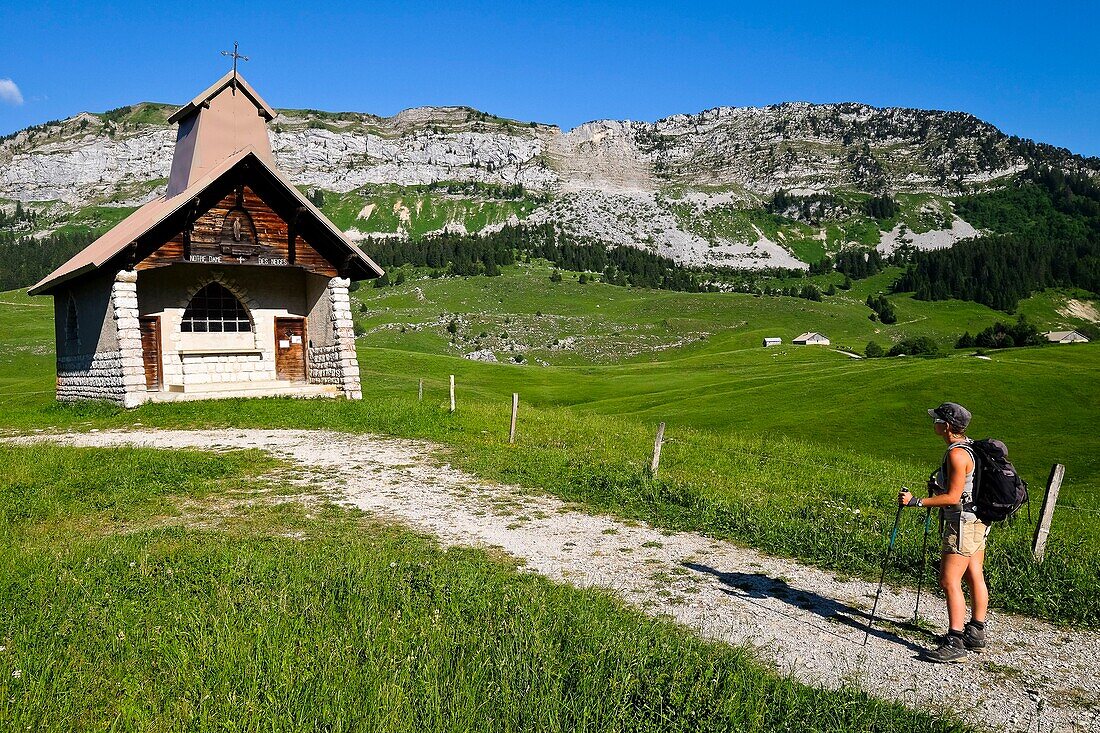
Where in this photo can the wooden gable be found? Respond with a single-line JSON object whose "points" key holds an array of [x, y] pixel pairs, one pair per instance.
{"points": [[240, 229]]}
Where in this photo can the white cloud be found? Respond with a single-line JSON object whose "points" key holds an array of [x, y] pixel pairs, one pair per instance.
{"points": [[10, 93]]}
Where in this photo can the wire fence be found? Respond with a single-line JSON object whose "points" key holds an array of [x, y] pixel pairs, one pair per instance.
{"points": [[4, 395], [1073, 508], [762, 455], [23, 394]]}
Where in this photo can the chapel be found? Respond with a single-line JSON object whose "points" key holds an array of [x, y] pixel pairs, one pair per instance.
{"points": [[231, 284]]}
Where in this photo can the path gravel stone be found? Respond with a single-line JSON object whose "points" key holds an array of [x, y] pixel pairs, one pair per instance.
{"points": [[804, 622]]}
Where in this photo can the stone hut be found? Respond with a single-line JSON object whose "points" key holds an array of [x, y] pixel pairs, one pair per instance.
{"points": [[231, 284]]}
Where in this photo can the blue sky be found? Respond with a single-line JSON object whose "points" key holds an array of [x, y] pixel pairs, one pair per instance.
{"points": [[1031, 69]]}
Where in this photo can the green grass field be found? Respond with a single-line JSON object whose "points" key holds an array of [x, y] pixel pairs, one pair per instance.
{"points": [[695, 360], [798, 450], [139, 592]]}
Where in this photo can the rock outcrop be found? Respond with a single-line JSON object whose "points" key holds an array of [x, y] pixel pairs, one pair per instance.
{"points": [[660, 185]]}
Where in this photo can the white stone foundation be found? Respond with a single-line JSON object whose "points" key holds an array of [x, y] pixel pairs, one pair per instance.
{"points": [[226, 368], [125, 304], [344, 337]]}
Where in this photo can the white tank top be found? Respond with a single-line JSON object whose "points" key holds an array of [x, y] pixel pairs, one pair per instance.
{"points": [[966, 505]]}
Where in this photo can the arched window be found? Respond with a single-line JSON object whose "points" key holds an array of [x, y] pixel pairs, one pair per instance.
{"points": [[215, 310], [72, 327]]}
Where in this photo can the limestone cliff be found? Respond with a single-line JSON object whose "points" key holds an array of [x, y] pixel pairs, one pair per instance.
{"points": [[689, 186]]}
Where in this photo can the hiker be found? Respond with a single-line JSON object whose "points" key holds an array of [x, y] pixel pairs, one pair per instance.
{"points": [[951, 489]]}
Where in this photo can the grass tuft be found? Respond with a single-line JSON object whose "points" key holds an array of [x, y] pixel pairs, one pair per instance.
{"points": [[330, 621]]}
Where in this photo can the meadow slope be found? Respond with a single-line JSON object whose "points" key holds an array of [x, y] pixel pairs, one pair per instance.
{"points": [[796, 451], [212, 591], [805, 623]]}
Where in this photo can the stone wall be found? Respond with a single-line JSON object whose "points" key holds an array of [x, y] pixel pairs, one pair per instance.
{"points": [[344, 332], [125, 304], [325, 366], [221, 368], [91, 377], [108, 365]]}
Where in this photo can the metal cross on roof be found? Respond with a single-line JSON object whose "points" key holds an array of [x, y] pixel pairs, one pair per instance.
{"points": [[235, 56]]}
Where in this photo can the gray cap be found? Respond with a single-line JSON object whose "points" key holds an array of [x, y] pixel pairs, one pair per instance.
{"points": [[953, 414]]}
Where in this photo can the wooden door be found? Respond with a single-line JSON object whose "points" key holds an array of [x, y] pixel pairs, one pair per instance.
{"points": [[290, 349], [150, 351]]}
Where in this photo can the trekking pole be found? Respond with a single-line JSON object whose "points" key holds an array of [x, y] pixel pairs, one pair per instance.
{"points": [[882, 578], [923, 560]]}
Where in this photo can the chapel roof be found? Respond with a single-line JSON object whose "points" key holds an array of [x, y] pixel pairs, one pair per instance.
{"points": [[229, 80], [209, 145], [225, 119]]}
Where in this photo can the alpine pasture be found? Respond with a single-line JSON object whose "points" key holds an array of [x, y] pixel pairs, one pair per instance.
{"points": [[798, 451], [149, 589]]}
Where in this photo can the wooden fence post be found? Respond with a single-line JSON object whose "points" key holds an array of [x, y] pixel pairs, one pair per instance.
{"points": [[420, 391], [515, 407], [452, 393], [657, 450], [1042, 529]]}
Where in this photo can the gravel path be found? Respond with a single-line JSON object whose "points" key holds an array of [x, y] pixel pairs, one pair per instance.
{"points": [[804, 622]]}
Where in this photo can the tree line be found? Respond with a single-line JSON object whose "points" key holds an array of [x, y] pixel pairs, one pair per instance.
{"points": [[24, 260], [1003, 336], [485, 254], [818, 206], [1000, 271], [857, 262], [1046, 233]]}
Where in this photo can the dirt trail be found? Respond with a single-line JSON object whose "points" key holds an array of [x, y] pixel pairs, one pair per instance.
{"points": [[804, 622]]}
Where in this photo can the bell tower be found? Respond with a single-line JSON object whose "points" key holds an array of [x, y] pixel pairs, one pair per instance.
{"points": [[225, 119]]}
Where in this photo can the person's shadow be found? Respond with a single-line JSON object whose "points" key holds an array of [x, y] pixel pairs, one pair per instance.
{"points": [[754, 587]]}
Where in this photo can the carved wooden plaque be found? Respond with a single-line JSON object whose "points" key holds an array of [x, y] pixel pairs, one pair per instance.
{"points": [[240, 230]]}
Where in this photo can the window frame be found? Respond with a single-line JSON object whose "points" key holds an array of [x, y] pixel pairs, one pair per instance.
{"points": [[215, 309]]}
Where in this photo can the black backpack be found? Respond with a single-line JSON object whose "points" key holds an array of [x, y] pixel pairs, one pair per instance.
{"points": [[999, 492]]}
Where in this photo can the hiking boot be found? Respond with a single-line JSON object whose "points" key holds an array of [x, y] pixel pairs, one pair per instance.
{"points": [[973, 637], [952, 648]]}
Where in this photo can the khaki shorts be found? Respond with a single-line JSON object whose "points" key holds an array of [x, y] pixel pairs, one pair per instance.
{"points": [[962, 537]]}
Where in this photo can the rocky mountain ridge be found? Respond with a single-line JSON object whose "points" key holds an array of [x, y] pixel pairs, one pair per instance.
{"points": [[692, 187]]}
